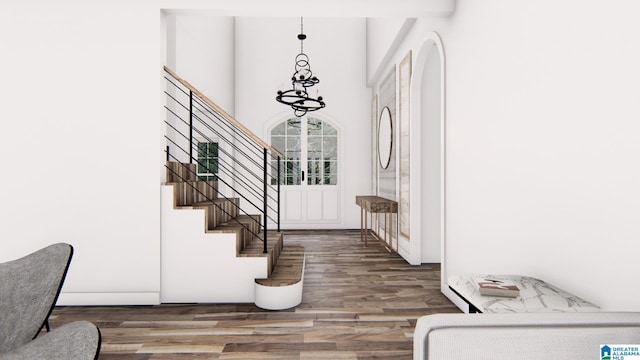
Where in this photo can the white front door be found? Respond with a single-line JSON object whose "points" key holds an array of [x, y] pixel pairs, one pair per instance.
{"points": [[310, 191]]}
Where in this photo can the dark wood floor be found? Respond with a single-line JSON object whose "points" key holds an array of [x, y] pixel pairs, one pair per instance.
{"points": [[358, 303]]}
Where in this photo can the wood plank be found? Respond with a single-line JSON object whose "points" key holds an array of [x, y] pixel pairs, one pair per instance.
{"points": [[358, 303]]}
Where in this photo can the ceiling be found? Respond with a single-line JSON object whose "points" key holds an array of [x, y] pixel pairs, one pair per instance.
{"points": [[324, 8]]}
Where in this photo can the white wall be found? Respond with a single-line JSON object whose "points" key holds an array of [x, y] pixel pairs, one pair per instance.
{"points": [[265, 53], [81, 142], [204, 54], [381, 35], [541, 142]]}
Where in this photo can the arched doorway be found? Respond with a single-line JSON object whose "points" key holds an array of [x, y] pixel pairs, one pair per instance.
{"points": [[428, 122], [430, 155]]}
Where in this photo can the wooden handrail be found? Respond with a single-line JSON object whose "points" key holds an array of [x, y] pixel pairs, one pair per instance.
{"points": [[224, 114]]}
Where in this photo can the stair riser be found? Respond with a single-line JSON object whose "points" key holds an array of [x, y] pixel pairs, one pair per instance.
{"points": [[189, 193], [222, 212], [178, 172]]}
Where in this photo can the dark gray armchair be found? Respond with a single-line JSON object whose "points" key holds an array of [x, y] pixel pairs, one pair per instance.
{"points": [[29, 289]]}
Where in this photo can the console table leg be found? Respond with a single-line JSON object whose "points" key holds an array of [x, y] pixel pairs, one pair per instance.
{"points": [[362, 229], [366, 231], [387, 226], [397, 231], [390, 231]]}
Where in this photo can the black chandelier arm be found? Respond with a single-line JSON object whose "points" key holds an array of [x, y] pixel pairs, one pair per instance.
{"points": [[309, 104], [300, 100], [291, 97], [304, 82]]}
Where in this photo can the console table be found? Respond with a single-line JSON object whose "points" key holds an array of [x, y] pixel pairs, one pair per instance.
{"points": [[377, 205], [535, 296]]}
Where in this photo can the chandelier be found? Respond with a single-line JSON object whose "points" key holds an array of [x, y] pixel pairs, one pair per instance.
{"points": [[302, 80]]}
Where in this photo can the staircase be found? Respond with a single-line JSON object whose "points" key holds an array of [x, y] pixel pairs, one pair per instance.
{"points": [[220, 237]]}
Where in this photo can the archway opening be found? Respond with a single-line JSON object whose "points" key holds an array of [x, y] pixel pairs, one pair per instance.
{"points": [[431, 154]]}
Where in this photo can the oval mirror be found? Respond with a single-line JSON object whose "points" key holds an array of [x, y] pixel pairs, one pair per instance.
{"points": [[385, 138]]}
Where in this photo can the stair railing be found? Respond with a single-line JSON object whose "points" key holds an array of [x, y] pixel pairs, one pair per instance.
{"points": [[247, 166]]}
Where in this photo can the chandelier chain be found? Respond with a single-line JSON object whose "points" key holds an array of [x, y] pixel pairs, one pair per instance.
{"points": [[302, 39]]}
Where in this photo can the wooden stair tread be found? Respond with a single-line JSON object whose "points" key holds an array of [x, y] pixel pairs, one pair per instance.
{"points": [[288, 270], [212, 202], [241, 222], [202, 205], [225, 230], [256, 248], [250, 219]]}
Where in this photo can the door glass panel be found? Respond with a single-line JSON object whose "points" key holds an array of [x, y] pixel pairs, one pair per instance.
{"points": [[322, 153], [279, 130], [314, 147], [330, 148], [293, 144], [285, 138], [314, 156], [314, 174], [293, 127], [330, 172], [314, 126], [329, 130], [292, 172], [278, 142]]}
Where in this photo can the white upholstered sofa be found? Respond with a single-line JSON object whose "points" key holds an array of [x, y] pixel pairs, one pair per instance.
{"points": [[567, 336]]}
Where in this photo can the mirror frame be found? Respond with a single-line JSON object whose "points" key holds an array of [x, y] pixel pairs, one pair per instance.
{"points": [[385, 141]]}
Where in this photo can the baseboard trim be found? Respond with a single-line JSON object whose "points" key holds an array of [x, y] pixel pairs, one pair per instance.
{"points": [[119, 298]]}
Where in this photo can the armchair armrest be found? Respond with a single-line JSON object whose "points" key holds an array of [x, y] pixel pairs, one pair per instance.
{"points": [[79, 340]]}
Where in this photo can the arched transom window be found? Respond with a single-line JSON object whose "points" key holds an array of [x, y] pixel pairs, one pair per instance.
{"points": [[310, 149]]}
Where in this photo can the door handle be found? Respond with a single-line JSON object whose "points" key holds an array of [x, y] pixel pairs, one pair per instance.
{"points": [[303, 176]]}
